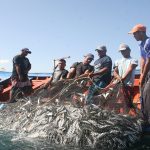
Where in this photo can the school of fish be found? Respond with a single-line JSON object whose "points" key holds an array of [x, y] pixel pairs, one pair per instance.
{"points": [[88, 127]]}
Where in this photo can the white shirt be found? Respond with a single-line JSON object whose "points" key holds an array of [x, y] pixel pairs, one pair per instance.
{"points": [[123, 65]]}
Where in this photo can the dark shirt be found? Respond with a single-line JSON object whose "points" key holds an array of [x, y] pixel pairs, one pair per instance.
{"points": [[24, 64], [100, 64], [59, 74], [81, 68]]}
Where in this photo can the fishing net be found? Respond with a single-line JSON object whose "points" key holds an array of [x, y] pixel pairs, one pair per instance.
{"points": [[118, 98], [58, 114], [63, 90], [90, 127], [115, 97]]}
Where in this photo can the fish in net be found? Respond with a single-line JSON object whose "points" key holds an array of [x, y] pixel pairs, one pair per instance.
{"points": [[114, 97], [52, 115]]}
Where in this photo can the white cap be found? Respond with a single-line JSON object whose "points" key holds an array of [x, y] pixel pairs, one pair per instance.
{"points": [[123, 47]]}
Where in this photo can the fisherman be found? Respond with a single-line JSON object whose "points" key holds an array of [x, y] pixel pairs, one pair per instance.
{"points": [[124, 71], [80, 68], [139, 33], [59, 74], [101, 77], [20, 81]]}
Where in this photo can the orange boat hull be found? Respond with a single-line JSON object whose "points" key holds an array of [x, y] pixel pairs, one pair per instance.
{"points": [[136, 93], [36, 83], [39, 81]]}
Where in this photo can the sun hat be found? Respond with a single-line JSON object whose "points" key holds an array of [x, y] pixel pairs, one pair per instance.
{"points": [[138, 27], [123, 47]]}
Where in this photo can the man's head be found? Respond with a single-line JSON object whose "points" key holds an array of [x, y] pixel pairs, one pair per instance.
{"points": [[101, 50], [139, 32], [25, 51], [61, 64], [125, 50], [88, 58]]}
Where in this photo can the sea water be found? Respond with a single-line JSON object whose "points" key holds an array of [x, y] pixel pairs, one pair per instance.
{"points": [[9, 140], [5, 75]]}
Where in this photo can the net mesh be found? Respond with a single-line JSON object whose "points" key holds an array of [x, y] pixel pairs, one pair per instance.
{"points": [[115, 97], [49, 113]]}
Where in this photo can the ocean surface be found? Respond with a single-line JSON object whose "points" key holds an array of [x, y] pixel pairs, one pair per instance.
{"points": [[4, 75], [10, 140]]}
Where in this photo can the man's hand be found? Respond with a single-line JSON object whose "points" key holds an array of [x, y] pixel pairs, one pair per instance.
{"points": [[91, 75], [118, 78], [122, 79], [46, 85]]}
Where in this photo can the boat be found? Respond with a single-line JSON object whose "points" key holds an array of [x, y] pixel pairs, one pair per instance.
{"points": [[6, 86], [38, 81]]}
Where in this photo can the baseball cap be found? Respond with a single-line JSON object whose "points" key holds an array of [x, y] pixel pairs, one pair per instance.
{"points": [[123, 47], [89, 55], [138, 27], [61, 60], [101, 48], [26, 50]]}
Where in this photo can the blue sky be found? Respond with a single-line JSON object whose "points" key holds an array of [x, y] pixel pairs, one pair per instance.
{"points": [[53, 29]]}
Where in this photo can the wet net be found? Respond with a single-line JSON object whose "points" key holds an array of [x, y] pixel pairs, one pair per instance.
{"points": [[58, 114], [115, 97]]}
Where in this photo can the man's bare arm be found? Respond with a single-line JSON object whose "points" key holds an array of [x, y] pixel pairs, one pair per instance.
{"points": [[145, 71], [18, 70], [48, 83], [129, 71], [100, 72], [142, 63], [71, 73], [116, 73]]}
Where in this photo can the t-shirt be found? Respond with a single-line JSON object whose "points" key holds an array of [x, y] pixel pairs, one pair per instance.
{"points": [[59, 74], [123, 65], [145, 48], [81, 68], [100, 64], [24, 64]]}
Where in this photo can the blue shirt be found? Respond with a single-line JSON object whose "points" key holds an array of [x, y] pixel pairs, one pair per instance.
{"points": [[100, 64], [145, 48]]}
